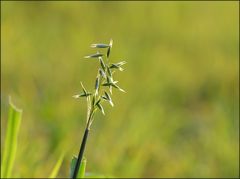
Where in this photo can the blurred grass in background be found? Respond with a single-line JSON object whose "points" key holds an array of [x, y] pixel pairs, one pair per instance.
{"points": [[179, 117]]}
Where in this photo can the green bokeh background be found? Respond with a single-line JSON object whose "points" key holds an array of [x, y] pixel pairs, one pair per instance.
{"points": [[179, 117]]}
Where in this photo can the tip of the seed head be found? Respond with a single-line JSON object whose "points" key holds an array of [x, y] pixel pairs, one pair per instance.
{"points": [[123, 91], [93, 45], [75, 96], [81, 84], [111, 42]]}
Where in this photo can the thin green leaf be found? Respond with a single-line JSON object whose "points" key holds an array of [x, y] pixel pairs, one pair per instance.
{"points": [[10, 147], [57, 167], [82, 168], [72, 165], [81, 172]]}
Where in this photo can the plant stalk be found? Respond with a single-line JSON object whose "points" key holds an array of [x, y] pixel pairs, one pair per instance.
{"points": [[84, 140], [81, 151], [83, 144]]}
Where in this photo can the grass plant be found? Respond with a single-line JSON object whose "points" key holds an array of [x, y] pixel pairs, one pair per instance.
{"points": [[102, 91]]}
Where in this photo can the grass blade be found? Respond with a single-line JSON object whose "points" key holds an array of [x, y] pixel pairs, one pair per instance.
{"points": [[57, 167], [10, 147], [72, 165], [81, 172]]}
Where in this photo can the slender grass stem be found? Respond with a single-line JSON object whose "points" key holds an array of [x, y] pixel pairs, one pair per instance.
{"points": [[81, 151], [83, 144]]}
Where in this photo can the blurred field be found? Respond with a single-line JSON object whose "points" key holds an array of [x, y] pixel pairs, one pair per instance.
{"points": [[179, 117]]}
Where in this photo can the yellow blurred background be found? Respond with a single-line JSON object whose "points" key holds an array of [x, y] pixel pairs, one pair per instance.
{"points": [[179, 117]]}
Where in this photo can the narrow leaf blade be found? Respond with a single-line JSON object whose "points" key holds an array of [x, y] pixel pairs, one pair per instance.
{"points": [[10, 147], [72, 165], [82, 168], [57, 167], [81, 172]]}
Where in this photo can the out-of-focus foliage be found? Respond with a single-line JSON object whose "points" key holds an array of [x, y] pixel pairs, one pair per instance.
{"points": [[179, 117]]}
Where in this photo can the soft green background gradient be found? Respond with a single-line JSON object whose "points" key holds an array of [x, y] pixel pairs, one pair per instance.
{"points": [[179, 117]]}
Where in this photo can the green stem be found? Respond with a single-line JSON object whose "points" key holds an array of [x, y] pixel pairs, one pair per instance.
{"points": [[82, 147]]}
